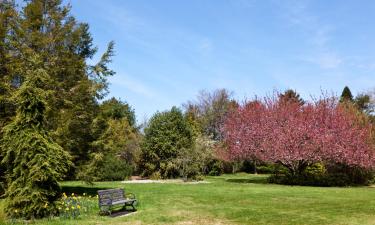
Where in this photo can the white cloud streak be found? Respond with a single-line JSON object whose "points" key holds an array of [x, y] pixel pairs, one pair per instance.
{"points": [[322, 54], [133, 85]]}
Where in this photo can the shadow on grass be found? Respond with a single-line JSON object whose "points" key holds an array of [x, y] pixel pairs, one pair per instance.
{"points": [[253, 180], [121, 212], [80, 190]]}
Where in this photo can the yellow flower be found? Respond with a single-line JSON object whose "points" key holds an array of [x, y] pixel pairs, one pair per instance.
{"points": [[64, 195], [84, 194], [67, 209], [72, 194], [45, 205], [16, 210], [72, 207], [78, 206]]}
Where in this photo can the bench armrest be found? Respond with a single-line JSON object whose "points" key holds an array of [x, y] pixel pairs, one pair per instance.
{"points": [[130, 195]]}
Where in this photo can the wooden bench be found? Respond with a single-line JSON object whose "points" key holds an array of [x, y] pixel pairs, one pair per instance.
{"points": [[112, 197]]}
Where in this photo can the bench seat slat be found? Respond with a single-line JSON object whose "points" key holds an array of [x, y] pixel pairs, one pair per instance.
{"points": [[122, 201], [111, 197]]}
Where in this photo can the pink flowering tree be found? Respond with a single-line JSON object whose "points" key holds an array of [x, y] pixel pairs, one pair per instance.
{"points": [[296, 135]]}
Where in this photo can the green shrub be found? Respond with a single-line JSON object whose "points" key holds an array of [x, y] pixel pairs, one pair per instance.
{"points": [[215, 167], [169, 169], [105, 168], [344, 175], [266, 169], [114, 168], [328, 175], [155, 175], [248, 166], [230, 167]]}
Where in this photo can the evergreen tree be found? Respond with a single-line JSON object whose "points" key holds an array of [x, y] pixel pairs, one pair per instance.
{"points": [[291, 96], [117, 146], [7, 109], [46, 28], [116, 143], [117, 109], [34, 162], [346, 95], [166, 135]]}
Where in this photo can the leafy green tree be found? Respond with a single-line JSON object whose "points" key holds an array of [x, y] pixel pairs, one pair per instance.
{"points": [[117, 142], [33, 161], [195, 161], [117, 109], [117, 145], [166, 135], [346, 95]]}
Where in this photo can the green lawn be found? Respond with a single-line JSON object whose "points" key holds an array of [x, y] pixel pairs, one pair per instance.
{"points": [[232, 199]]}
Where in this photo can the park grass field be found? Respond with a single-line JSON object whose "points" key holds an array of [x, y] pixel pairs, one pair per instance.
{"points": [[228, 199]]}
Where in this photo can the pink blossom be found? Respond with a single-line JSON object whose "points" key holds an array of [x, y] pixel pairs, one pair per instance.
{"points": [[296, 135]]}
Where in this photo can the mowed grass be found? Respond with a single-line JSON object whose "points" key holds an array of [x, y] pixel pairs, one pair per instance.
{"points": [[231, 199]]}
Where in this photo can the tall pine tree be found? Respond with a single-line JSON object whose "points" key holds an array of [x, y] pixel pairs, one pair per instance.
{"points": [[46, 28], [291, 95], [346, 95], [34, 162], [7, 109]]}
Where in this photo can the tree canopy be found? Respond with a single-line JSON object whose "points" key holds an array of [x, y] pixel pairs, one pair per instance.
{"points": [[297, 135], [166, 134]]}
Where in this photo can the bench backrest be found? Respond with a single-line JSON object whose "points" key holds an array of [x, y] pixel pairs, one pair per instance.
{"points": [[106, 197]]}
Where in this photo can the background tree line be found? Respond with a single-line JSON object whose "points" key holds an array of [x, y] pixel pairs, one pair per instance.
{"points": [[56, 122]]}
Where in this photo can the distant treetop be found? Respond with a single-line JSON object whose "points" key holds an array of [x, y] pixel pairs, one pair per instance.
{"points": [[346, 95]]}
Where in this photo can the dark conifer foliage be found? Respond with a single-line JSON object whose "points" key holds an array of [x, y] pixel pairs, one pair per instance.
{"points": [[346, 95], [291, 96], [34, 162], [47, 29]]}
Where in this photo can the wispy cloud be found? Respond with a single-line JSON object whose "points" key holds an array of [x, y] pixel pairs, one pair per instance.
{"points": [[326, 60], [318, 33], [133, 85]]}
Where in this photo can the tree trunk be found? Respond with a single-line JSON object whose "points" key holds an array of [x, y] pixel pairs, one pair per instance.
{"points": [[255, 167]]}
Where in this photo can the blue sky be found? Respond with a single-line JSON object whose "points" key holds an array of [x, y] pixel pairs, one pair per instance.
{"points": [[167, 50]]}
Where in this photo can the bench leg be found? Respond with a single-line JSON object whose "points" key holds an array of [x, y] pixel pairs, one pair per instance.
{"points": [[132, 205]]}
